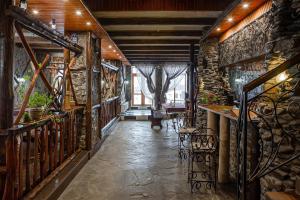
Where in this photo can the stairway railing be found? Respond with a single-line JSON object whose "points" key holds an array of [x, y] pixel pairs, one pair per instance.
{"points": [[268, 108]]}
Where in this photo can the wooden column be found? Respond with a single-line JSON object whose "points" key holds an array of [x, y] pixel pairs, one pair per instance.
{"points": [[192, 82], [6, 66], [6, 98], [223, 171], [67, 85], [212, 123], [89, 75]]}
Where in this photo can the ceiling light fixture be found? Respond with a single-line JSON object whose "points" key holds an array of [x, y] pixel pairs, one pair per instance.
{"points": [[219, 29], [78, 12], [35, 12], [88, 23], [230, 19], [245, 5], [114, 51], [110, 46]]}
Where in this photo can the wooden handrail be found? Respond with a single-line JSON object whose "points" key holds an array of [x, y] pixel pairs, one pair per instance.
{"points": [[272, 73]]}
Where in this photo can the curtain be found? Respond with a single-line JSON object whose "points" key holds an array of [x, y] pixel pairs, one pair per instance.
{"points": [[147, 70], [142, 81], [172, 71]]}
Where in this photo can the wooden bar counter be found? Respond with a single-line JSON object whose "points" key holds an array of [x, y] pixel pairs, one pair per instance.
{"points": [[226, 114]]}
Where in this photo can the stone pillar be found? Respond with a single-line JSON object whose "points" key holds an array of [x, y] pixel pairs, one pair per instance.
{"points": [[223, 171], [67, 86], [158, 87], [212, 123]]}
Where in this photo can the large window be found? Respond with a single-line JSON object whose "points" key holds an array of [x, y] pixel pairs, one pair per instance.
{"points": [[177, 90], [138, 82]]}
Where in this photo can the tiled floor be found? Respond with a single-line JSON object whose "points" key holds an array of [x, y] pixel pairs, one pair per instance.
{"points": [[136, 162]]}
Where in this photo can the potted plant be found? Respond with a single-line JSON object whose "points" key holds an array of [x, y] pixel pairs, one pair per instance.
{"points": [[37, 103]]}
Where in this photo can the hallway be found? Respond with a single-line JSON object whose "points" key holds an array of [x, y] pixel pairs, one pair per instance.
{"points": [[135, 162]]}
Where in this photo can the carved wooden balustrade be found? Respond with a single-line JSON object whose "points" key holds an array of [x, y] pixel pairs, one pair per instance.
{"points": [[37, 151]]}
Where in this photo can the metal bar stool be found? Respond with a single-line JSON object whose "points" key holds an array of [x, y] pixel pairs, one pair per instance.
{"points": [[183, 129], [202, 166]]}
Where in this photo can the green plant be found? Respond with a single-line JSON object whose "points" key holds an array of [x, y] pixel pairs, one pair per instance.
{"points": [[26, 117], [37, 100]]}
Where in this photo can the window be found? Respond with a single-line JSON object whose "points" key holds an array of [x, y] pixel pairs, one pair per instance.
{"points": [[139, 99], [177, 90]]}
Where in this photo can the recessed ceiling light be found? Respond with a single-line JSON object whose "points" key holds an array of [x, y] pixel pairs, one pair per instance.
{"points": [[78, 12], [114, 51], [110, 46], [88, 23], [218, 29], [245, 5], [118, 54], [230, 19], [35, 12]]}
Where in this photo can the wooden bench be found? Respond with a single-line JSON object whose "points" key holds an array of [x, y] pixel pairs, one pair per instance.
{"points": [[281, 196]]}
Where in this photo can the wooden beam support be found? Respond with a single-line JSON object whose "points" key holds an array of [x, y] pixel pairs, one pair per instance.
{"points": [[158, 5], [33, 59], [155, 21], [156, 48], [39, 28], [155, 33], [134, 53], [89, 72], [30, 89], [157, 41], [6, 99]]}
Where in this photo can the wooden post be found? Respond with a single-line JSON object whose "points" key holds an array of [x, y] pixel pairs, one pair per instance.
{"points": [[6, 97], [67, 86], [192, 83], [223, 171], [89, 92]]}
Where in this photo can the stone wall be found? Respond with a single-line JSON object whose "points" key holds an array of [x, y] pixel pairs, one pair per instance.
{"points": [[275, 36], [210, 78]]}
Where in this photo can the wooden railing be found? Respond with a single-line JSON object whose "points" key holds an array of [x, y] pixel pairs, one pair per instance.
{"points": [[110, 109], [35, 151]]}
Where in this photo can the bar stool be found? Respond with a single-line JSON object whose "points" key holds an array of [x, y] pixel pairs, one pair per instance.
{"points": [[202, 166], [184, 129]]}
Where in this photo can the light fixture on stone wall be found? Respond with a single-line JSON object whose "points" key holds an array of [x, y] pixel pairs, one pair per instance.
{"points": [[53, 24], [282, 77]]}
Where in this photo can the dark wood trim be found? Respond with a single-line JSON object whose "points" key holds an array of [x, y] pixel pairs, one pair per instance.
{"points": [[158, 5], [155, 33], [221, 18], [154, 21], [134, 53], [156, 48], [157, 41], [89, 73], [50, 189], [41, 29]]}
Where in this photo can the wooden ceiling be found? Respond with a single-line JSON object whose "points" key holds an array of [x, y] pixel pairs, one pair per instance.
{"points": [[64, 12], [156, 30]]}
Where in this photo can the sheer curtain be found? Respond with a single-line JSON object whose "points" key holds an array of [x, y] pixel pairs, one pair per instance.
{"points": [[171, 71], [147, 71], [142, 81]]}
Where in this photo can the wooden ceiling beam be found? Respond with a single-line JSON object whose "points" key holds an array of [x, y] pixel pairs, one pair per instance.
{"points": [[161, 21], [155, 33], [157, 56], [157, 41], [154, 48], [158, 5], [129, 53]]}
